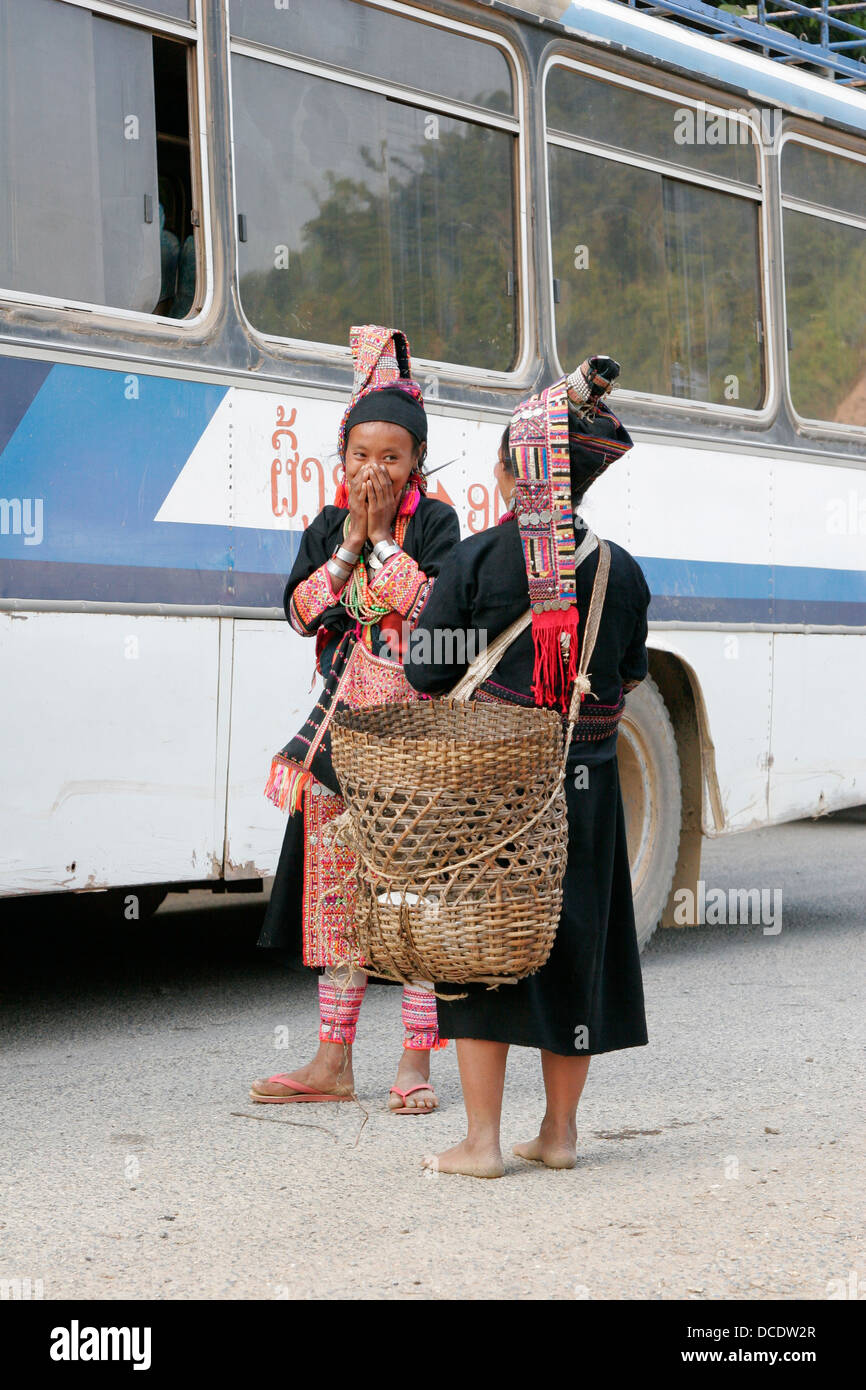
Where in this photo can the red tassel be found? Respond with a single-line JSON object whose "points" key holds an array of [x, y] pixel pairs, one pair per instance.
{"points": [[342, 497], [554, 671], [323, 637]]}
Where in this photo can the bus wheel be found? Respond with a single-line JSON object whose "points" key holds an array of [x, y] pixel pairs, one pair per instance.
{"points": [[649, 772]]}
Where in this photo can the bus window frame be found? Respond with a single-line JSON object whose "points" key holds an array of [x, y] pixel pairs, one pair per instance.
{"points": [[191, 33], [430, 369], [802, 134], [764, 414]]}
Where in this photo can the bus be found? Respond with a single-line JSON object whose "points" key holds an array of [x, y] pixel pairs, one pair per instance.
{"points": [[201, 196]]}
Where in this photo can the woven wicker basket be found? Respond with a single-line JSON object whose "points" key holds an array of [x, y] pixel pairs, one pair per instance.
{"points": [[457, 815], [456, 812]]}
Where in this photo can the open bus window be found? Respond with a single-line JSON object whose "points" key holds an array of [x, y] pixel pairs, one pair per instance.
{"points": [[94, 138], [177, 232], [824, 226], [357, 207], [661, 266]]}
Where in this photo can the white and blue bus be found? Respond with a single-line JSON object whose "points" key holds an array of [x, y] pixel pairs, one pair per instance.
{"points": [[199, 197]]}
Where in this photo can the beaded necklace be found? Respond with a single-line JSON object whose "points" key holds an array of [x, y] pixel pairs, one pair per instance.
{"points": [[357, 598]]}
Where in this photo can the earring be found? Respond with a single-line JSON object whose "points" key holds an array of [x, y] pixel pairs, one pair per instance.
{"points": [[342, 497]]}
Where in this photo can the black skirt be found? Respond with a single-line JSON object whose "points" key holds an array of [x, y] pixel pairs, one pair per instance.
{"points": [[281, 929], [588, 997]]}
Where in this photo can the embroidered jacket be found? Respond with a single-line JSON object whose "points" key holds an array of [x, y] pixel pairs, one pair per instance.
{"points": [[403, 583]]}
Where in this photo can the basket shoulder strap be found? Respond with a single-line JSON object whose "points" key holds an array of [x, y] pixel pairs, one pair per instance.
{"points": [[596, 603], [487, 660], [593, 619]]}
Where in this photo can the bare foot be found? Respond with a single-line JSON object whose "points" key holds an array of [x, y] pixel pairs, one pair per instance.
{"points": [[414, 1070], [474, 1160], [330, 1072], [558, 1152]]}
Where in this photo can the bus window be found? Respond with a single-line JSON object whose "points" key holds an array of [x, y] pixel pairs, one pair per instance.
{"points": [[94, 158], [356, 207], [655, 258], [824, 239], [381, 43], [627, 118]]}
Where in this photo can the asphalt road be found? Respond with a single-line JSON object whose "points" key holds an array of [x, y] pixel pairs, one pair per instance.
{"points": [[721, 1161]]}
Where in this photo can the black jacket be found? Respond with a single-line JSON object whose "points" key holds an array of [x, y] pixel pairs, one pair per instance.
{"points": [[483, 586]]}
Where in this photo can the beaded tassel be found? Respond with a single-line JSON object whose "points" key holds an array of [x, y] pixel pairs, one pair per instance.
{"points": [[285, 785]]}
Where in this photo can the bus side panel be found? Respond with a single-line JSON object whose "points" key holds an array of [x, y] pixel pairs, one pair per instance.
{"points": [[111, 761], [271, 697], [734, 671], [819, 752]]}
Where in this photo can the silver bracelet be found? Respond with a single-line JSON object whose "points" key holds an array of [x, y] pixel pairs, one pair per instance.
{"points": [[348, 557], [339, 573], [383, 550], [373, 565]]}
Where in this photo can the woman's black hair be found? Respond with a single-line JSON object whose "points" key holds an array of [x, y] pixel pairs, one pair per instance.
{"points": [[505, 451]]}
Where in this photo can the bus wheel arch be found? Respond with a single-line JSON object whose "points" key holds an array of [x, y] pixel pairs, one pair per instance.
{"points": [[666, 755], [649, 776]]}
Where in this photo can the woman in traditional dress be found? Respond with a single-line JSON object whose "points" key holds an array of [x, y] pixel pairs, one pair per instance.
{"points": [[588, 997], [363, 571]]}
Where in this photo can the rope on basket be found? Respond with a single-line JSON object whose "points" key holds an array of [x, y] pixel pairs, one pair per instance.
{"points": [[342, 831]]}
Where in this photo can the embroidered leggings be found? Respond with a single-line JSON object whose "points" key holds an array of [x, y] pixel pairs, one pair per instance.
{"points": [[340, 997]]}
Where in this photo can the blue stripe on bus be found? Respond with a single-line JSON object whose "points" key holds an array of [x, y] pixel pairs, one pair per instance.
{"points": [[715, 591], [684, 591], [766, 583], [47, 581], [21, 381], [101, 449]]}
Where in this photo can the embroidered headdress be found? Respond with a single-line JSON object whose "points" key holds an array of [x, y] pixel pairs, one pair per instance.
{"points": [[555, 452], [383, 389]]}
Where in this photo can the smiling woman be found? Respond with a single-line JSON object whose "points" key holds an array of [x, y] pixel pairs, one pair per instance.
{"points": [[362, 575]]}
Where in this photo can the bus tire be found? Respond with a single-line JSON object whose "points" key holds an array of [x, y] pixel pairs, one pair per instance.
{"points": [[649, 771]]}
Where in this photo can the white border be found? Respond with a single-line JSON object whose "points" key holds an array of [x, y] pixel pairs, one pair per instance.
{"points": [[191, 33], [424, 368], [806, 422], [765, 413]]}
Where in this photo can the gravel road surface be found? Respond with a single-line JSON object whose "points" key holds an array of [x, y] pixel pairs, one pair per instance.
{"points": [[721, 1161]]}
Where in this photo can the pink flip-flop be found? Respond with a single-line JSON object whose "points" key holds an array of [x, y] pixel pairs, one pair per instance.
{"points": [[413, 1109], [302, 1093]]}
